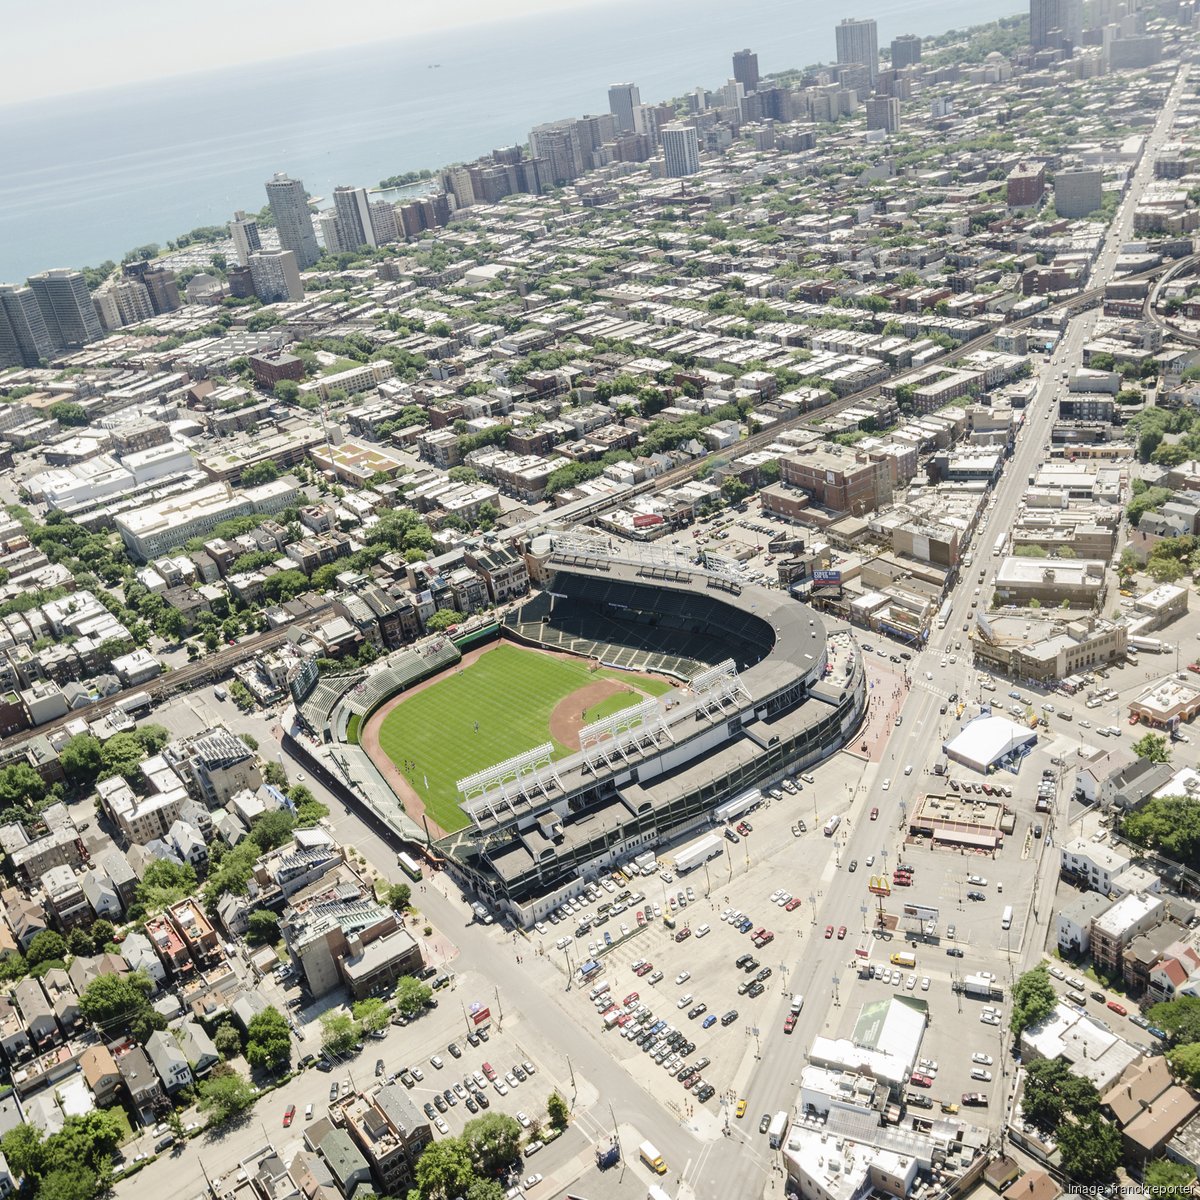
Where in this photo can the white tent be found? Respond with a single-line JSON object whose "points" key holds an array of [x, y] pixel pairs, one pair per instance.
{"points": [[986, 740]]}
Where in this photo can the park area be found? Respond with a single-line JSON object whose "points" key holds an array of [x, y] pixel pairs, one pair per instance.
{"points": [[498, 703]]}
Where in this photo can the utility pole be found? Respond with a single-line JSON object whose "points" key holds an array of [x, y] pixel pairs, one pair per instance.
{"points": [[499, 1013]]}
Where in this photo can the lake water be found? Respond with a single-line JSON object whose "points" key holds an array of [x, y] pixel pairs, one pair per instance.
{"points": [[87, 177]]}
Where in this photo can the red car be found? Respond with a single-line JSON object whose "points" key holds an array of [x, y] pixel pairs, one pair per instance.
{"points": [[874, 814], [288, 1114], [631, 998], [841, 932], [765, 938], [745, 828], [828, 932], [1119, 1009], [919, 1080], [644, 969], [792, 904], [790, 1023], [489, 1072]]}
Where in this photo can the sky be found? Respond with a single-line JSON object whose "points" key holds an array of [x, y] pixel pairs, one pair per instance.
{"points": [[78, 45]]}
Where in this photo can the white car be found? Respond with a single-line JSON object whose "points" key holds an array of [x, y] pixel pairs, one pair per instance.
{"points": [[683, 977], [870, 860], [887, 783], [988, 975], [684, 1000], [774, 897], [523, 1120], [984, 1060], [989, 1018], [977, 880], [1057, 973], [500, 1087], [783, 899], [531, 1180], [928, 1065], [540, 926], [924, 983], [980, 1074], [908, 769], [441, 1125], [912, 983]]}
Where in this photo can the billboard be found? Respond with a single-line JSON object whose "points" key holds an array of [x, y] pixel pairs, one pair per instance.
{"points": [[920, 912], [829, 577], [481, 1016], [880, 885]]}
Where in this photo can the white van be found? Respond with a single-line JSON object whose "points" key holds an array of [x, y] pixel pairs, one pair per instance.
{"points": [[308, 1113], [599, 990], [797, 1004], [807, 778], [703, 930]]}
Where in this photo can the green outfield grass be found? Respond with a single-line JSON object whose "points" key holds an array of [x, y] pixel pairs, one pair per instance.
{"points": [[511, 693], [614, 704]]}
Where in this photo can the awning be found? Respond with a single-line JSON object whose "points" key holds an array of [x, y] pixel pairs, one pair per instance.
{"points": [[987, 841]]}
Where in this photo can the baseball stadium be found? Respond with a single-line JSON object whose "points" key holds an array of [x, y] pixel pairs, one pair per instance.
{"points": [[608, 713]]}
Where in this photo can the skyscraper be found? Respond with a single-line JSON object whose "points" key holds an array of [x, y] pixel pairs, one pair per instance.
{"points": [[558, 143], [26, 323], [681, 150], [353, 210], [745, 69], [331, 236], [906, 51], [244, 231], [289, 205], [67, 307], [276, 276], [1046, 16], [623, 98], [858, 42], [883, 112]]}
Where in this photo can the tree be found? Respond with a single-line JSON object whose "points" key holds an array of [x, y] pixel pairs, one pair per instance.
{"points": [[86, 1140], [274, 774], [262, 927], [1052, 1091], [1164, 1177], [484, 1189], [557, 1111], [223, 1097], [67, 1183], [227, 1040], [1090, 1148], [371, 1014], [272, 829], [81, 759], [442, 620], [24, 1148], [1153, 747], [1170, 824], [165, 883], [113, 1001], [1185, 1061], [20, 785], [67, 412], [444, 1170], [734, 490], [1033, 998], [1180, 1018], [79, 941], [44, 947], [287, 390], [259, 473], [152, 737], [492, 1141], [339, 1032], [398, 896], [411, 995], [268, 1040], [121, 755]]}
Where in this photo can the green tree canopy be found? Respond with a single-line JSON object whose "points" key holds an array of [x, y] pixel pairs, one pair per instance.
{"points": [[224, 1096], [121, 755], [442, 620], [1053, 1090], [1165, 1177], [165, 883], [444, 1170], [371, 1014], [45, 946], [115, 1001], [411, 995], [263, 926], [1090, 1148], [1180, 1018], [81, 759], [20, 785], [1170, 824], [227, 1040], [492, 1140], [1033, 998], [557, 1111], [268, 1040], [399, 896], [339, 1032], [272, 829], [1152, 746]]}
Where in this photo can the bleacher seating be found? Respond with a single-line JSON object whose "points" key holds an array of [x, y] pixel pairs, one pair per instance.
{"points": [[404, 668]]}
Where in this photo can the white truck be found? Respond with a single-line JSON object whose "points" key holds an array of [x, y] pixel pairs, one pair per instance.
{"points": [[777, 1130]]}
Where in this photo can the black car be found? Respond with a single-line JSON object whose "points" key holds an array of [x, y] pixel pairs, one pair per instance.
{"points": [[454, 1050], [482, 1100], [519, 1072], [323, 1064], [751, 962], [904, 654], [429, 1110], [976, 896], [765, 973], [687, 1048], [483, 1033], [894, 657], [471, 1105], [741, 962], [439, 1103], [378, 1067], [473, 1038], [954, 951], [853, 865], [755, 990], [730, 1017], [707, 1092], [916, 1101], [764, 1123], [732, 835]]}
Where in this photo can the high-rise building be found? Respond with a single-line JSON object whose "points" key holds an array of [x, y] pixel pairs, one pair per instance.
{"points": [[731, 95], [858, 42], [456, 181], [159, 282], [906, 51], [745, 69], [1078, 193], [558, 143], [1051, 22], [276, 276], [26, 323], [67, 307], [681, 150], [883, 112], [331, 235], [623, 98], [384, 223], [353, 210], [10, 352], [246, 239], [126, 302], [1026, 184], [293, 219]]}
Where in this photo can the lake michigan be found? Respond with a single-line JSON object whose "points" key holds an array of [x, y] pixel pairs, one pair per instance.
{"points": [[86, 177]]}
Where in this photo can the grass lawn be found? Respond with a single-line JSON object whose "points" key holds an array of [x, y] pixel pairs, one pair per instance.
{"points": [[341, 364], [510, 693], [614, 704]]}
